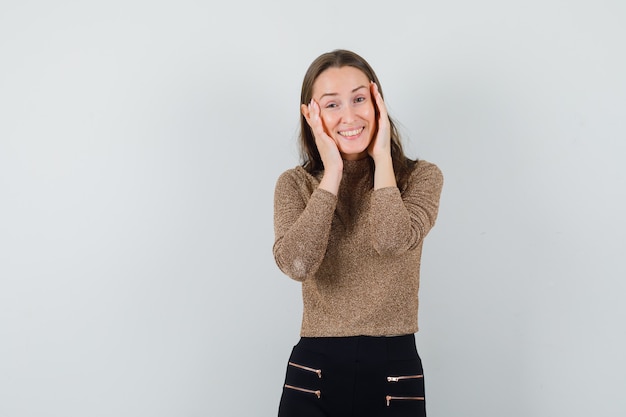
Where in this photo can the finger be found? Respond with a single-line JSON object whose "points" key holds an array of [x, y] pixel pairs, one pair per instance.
{"points": [[308, 111], [380, 103], [316, 120]]}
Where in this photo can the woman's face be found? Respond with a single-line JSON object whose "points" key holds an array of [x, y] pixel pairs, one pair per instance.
{"points": [[346, 109]]}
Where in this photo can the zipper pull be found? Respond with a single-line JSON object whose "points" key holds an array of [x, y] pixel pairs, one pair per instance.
{"points": [[392, 379], [388, 400]]}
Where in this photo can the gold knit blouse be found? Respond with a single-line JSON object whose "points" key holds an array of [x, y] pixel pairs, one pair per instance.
{"points": [[356, 254]]}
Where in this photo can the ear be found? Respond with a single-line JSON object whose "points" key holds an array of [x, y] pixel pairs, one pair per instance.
{"points": [[304, 109]]}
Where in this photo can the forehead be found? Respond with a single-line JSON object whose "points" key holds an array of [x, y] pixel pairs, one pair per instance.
{"points": [[339, 80]]}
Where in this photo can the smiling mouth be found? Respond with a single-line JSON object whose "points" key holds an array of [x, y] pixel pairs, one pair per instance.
{"points": [[351, 133]]}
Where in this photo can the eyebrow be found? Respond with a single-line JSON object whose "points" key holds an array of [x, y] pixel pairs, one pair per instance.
{"points": [[336, 94]]}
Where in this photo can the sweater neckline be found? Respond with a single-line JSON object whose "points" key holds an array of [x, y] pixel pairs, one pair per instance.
{"points": [[358, 167]]}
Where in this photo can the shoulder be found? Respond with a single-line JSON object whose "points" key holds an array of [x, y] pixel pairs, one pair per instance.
{"points": [[425, 172], [297, 174], [297, 177], [423, 166]]}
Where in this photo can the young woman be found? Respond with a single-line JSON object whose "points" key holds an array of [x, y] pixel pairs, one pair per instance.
{"points": [[349, 225]]}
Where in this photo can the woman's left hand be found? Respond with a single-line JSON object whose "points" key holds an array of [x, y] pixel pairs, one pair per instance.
{"points": [[380, 147]]}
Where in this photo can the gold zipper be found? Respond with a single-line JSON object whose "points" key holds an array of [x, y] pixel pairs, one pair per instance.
{"points": [[308, 391], [390, 398], [306, 368], [400, 378]]}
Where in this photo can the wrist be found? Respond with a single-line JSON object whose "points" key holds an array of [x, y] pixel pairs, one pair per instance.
{"points": [[384, 175], [331, 179], [382, 159]]}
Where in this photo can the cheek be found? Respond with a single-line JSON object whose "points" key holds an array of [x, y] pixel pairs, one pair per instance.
{"points": [[369, 114], [373, 113], [329, 121]]}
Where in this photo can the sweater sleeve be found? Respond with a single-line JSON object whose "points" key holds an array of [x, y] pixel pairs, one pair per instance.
{"points": [[399, 221], [302, 223]]}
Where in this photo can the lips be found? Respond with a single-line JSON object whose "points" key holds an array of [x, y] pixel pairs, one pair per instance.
{"points": [[351, 133]]}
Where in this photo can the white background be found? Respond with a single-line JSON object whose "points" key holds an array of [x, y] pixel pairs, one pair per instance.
{"points": [[140, 142]]}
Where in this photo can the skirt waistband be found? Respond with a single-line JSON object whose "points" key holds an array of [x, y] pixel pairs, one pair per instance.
{"points": [[362, 348]]}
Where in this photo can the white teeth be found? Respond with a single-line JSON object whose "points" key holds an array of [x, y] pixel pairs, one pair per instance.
{"points": [[351, 132]]}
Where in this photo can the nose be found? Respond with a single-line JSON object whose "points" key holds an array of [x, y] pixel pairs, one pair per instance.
{"points": [[348, 114]]}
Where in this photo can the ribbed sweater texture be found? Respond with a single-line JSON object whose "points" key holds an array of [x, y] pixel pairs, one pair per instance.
{"points": [[356, 254]]}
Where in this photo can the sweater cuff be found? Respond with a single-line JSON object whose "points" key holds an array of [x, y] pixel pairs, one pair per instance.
{"points": [[385, 192], [324, 196]]}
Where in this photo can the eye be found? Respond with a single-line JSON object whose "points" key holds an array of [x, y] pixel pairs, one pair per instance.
{"points": [[331, 105], [359, 99]]}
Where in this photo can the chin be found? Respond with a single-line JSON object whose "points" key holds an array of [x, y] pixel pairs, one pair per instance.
{"points": [[354, 150], [352, 154]]}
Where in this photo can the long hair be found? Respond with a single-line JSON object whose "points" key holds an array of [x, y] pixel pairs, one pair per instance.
{"points": [[311, 160]]}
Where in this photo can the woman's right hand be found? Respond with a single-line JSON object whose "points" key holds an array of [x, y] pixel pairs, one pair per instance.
{"points": [[326, 146]]}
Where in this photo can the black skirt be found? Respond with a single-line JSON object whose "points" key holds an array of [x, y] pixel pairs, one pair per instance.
{"points": [[354, 376]]}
